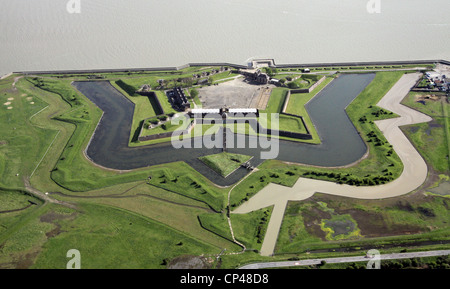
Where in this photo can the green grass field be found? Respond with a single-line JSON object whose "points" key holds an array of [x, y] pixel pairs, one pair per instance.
{"points": [[125, 220], [114, 238], [432, 139], [286, 122], [224, 163]]}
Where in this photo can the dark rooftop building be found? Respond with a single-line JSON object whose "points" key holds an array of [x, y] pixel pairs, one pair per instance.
{"points": [[178, 99], [256, 76]]}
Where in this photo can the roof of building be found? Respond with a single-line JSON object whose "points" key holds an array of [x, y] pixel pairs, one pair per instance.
{"points": [[205, 110], [243, 110]]}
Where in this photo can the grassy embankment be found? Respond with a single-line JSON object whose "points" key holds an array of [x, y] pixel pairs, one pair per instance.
{"points": [[75, 173], [145, 110], [184, 182], [172, 209], [248, 229], [432, 139], [22, 145], [113, 238], [224, 163], [275, 105]]}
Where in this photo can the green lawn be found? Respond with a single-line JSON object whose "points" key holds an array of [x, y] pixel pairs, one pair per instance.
{"points": [[181, 78], [22, 145], [143, 109], [122, 221], [14, 200], [276, 100], [275, 105], [248, 229], [108, 237], [432, 139], [296, 107], [224, 163]]}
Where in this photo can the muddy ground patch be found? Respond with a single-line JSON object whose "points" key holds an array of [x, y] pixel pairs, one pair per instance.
{"points": [[190, 262]]}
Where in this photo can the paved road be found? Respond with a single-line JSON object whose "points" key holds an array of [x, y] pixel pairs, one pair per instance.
{"points": [[345, 259]]}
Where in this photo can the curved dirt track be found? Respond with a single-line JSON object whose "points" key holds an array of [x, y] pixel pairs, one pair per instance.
{"points": [[414, 173]]}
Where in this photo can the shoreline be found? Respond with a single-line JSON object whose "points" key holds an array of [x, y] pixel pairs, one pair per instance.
{"points": [[292, 65]]}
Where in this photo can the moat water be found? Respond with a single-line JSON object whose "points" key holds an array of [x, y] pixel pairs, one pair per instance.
{"points": [[340, 142]]}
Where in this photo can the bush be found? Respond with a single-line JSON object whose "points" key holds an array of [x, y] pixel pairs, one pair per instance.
{"points": [[162, 117], [194, 93], [153, 121], [293, 85]]}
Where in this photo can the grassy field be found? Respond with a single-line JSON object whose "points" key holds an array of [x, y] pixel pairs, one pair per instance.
{"points": [[108, 237], [182, 179], [321, 220], [432, 139], [275, 105], [224, 163], [125, 220], [248, 229]]}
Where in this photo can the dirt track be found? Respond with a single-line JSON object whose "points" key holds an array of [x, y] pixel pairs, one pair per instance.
{"points": [[413, 175]]}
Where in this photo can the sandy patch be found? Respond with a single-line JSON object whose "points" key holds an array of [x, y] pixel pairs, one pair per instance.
{"points": [[11, 98], [10, 107], [7, 103]]}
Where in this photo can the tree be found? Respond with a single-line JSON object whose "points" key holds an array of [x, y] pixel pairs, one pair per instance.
{"points": [[270, 71], [293, 85], [194, 93]]}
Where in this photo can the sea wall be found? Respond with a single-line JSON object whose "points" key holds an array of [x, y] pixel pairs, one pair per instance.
{"points": [[237, 66]]}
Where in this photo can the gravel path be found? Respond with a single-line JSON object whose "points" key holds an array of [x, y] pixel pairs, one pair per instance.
{"points": [[345, 259]]}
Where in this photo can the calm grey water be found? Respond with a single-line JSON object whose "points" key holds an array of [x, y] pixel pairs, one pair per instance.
{"points": [[341, 143], [42, 35]]}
